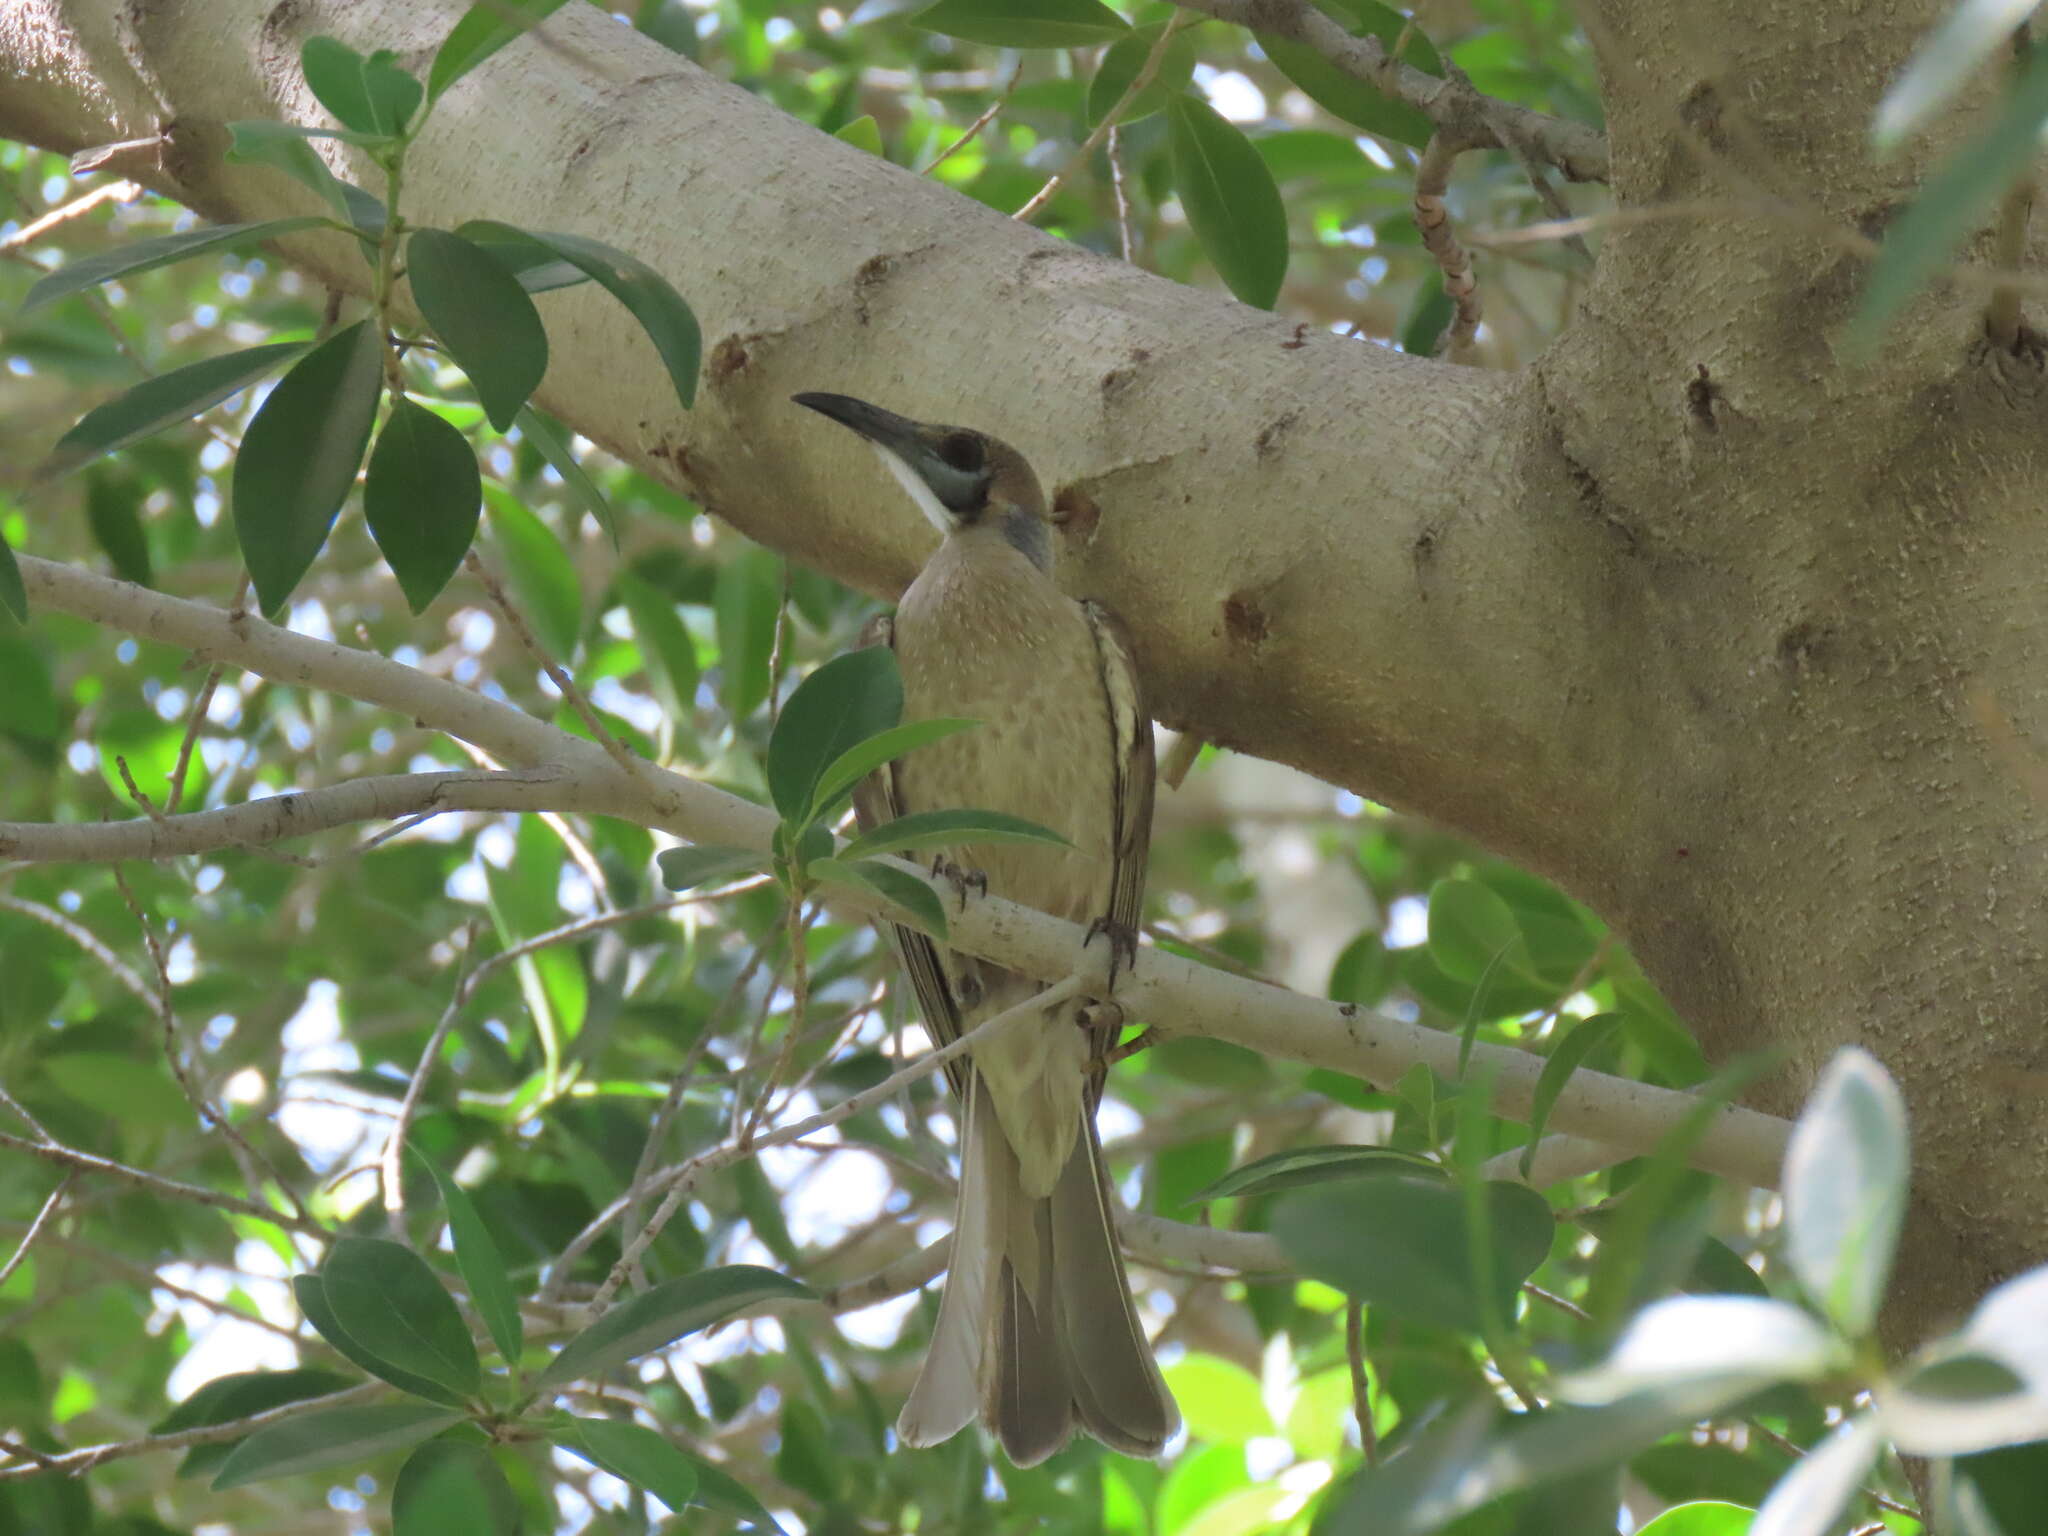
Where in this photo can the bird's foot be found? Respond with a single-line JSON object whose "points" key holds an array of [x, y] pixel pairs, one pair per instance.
{"points": [[961, 877], [1123, 943], [1144, 1040]]}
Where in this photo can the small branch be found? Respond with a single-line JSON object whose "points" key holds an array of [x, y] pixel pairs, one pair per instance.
{"points": [[80, 935], [35, 229], [72, 1463], [974, 128], [35, 1228], [1126, 230], [1361, 1383], [1080, 156], [61, 1156], [389, 1163], [200, 703], [1463, 116], [1433, 219]]}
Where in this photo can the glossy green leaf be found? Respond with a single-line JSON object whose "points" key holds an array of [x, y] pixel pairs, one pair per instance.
{"points": [[237, 1396], [369, 95], [746, 602], [13, 595], [1953, 203], [539, 573], [112, 511], [300, 455], [553, 442], [850, 699], [386, 1298], [669, 322], [1400, 1242], [143, 255], [1342, 94], [907, 892], [161, 402], [638, 1455], [453, 1488], [1119, 69], [482, 31], [1230, 199], [421, 498], [862, 133], [657, 1317], [695, 864], [1566, 1057], [857, 762], [667, 652], [329, 1439], [1313, 1165], [1024, 23], [482, 1266], [482, 316], [311, 1295], [926, 830], [1846, 1177]]}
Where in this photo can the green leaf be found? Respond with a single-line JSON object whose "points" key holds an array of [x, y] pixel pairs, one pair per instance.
{"points": [[142, 255], [1345, 96], [482, 1266], [1952, 203], [138, 1093], [667, 652], [1400, 1242], [370, 95], [453, 1488], [482, 31], [637, 1455], [110, 510], [1231, 202], [421, 499], [1472, 933], [539, 571], [1219, 1399], [948, 829], [658, 1317], [695, 864], [482, 316], [13, 595], [905, 891], [227, 1398], [388, 1300], [1312, 1165], [1846, 1176], [862, 133], [299, 458], [1120, 66], [1427, 317], [1024, 23], [330, 1438], [850, 699], [547, 435], [856, 763], [161, 402], [285, 147], [746, 602], [1569, 1054], [311, 1295], [669, 322]]}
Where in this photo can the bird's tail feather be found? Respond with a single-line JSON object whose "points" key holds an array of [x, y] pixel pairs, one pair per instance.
{"points": [[948, 1390]]}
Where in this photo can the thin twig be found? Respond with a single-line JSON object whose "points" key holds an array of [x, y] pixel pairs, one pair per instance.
{"points": [[1433, 219], [389, 1164], [72, 1463], [86, 940], [35, 1228], [112, 192], [1126, 231], [974, 128], [61, 1156], [1080, 156], [1361, 1383], [200, 703]]}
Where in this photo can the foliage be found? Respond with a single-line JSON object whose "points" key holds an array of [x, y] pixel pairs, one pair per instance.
{"points": [[1446, 1348]]}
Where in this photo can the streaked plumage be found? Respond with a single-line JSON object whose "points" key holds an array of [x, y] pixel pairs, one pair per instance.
{"points": [[1036, 1328]]}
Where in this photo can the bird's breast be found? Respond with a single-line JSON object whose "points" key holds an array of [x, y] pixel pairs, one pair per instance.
{"points": [[994, 640]]}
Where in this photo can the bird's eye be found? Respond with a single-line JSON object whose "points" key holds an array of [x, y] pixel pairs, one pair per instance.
{"points": [[962, 450]]}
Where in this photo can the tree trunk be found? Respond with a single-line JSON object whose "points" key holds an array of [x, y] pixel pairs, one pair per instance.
{"points": [[1733, 635]]}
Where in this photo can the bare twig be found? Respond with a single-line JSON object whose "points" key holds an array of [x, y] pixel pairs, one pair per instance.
{"points": [[35, 1228], [1126, 229], [1080, 156], [974, 128], [72, 1463], [35, 229], [61, 1156], [1361, 1383], [1433, 219], [200, 703], [390, 1163]]}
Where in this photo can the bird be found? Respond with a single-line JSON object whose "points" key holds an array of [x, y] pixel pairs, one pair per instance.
{"points": [[1037, 1332]]}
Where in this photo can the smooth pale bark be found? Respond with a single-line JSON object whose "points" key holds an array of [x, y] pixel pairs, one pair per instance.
{"points": [[1719, 659]]}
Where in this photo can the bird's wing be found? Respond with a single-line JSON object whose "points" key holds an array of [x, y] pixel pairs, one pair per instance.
{"points": [[1130, 728], [878, 800]]}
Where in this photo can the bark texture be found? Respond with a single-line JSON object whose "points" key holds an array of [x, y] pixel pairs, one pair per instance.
{"points": [[1739, 657]]}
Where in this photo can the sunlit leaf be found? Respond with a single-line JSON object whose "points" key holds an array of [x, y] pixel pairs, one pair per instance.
{"points": [[850, 699], [1846, 1177], [857, 762], [1231, 201], [482, 1266]]}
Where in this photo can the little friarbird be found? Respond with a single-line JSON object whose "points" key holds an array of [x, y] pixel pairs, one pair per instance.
{"points": [[1036, 1332]]}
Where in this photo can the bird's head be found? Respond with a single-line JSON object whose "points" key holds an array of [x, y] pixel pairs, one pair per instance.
{"points": [[959, 478]]}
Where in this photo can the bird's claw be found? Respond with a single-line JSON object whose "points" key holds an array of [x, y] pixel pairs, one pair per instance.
{"points": [[961, 878], [1123, 943]]}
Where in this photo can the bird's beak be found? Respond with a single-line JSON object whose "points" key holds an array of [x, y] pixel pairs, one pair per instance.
{"points": [[911, 451]]}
